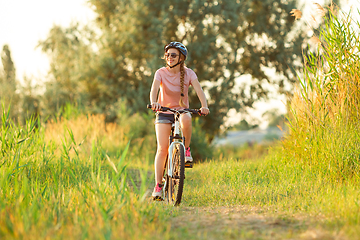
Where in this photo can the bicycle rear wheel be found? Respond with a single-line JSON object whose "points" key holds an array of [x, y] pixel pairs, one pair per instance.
{"points": [[175, 184]]}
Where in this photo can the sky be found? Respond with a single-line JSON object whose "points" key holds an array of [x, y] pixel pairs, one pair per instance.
{"points": [[23, 23]]}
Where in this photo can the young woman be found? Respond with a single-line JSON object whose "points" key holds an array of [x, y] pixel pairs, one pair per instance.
{"points": [[173, 81]]}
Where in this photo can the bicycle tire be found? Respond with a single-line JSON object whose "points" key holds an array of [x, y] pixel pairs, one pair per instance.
{"points": [[175, 184]]}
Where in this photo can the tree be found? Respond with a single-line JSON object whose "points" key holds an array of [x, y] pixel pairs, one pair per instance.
{"points": [[8, 81], [29, 100], [226, 40], [9, 68], [71, 57]]}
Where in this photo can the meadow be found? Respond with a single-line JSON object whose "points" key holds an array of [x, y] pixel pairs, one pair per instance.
{"points": [[77, 177]]}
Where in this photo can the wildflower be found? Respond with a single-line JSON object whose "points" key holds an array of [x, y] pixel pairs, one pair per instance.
{"points": [[296, 13]]}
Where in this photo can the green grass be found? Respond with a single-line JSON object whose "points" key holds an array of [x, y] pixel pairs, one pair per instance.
{"points": [[272, 184], [67, 186], [67, 189], [297, 197]]}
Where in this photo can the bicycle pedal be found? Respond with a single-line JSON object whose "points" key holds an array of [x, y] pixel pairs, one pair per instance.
{"points": [[188, 165], [159, 199]]}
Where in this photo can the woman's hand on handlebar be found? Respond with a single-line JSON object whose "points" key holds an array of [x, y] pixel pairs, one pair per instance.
{"points": [[155, 106], [204, 110]]}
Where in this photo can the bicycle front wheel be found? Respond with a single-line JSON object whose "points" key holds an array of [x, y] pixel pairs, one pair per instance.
{"points": [[176, 182]]}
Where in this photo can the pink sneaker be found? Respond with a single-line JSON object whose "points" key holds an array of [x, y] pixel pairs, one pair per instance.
{"points": [[157, 193], [188, 157]]}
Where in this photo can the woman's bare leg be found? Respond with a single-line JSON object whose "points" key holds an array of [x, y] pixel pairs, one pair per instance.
{"points": [[162, 137], [186, 126]]}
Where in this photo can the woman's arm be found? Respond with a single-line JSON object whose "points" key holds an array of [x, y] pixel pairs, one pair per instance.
{"points": [[153, 95], [201, 95]]}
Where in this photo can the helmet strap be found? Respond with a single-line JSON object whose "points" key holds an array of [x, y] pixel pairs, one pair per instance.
{"points": [[179, 62]]}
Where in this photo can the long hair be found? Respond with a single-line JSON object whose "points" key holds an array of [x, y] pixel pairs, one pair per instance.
{"points": [[182, 80]]}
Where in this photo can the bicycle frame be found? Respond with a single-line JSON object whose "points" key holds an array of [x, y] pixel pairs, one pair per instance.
{"points": [[175, 140]]}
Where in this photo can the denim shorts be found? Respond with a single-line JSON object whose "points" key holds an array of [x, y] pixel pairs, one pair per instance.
{"points": [[164, 118]]}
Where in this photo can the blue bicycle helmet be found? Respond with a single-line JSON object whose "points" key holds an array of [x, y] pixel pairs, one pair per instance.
{"points": [[179, 46]]}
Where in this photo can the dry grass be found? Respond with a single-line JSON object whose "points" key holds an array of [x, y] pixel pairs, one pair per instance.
{"points": [[296, 13], [324, 118], [330, 90], [88, 131]]}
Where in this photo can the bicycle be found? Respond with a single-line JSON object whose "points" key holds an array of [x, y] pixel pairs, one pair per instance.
{"points": [[174, 169]]}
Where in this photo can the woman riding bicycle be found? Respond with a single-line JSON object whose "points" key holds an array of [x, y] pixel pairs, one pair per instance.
{"points": [[173, 81]]}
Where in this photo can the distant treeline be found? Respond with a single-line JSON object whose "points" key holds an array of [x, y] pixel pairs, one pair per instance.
{"points": [[105, 63]]}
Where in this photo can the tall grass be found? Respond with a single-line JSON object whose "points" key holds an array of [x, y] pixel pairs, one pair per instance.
{"points": [[57, 181], [324, 117]]}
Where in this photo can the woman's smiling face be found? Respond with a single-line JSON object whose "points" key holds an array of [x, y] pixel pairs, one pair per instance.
{"points": [[172, 56]]}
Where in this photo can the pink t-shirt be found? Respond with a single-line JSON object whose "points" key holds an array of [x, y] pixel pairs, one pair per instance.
{"points": [[170, 89]]}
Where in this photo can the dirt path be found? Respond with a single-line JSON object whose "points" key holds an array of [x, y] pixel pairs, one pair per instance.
{"points": [[247, 222], [244, 222]]}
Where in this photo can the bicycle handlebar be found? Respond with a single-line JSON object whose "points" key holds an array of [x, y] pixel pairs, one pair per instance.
{"points": [[164, 109]]}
